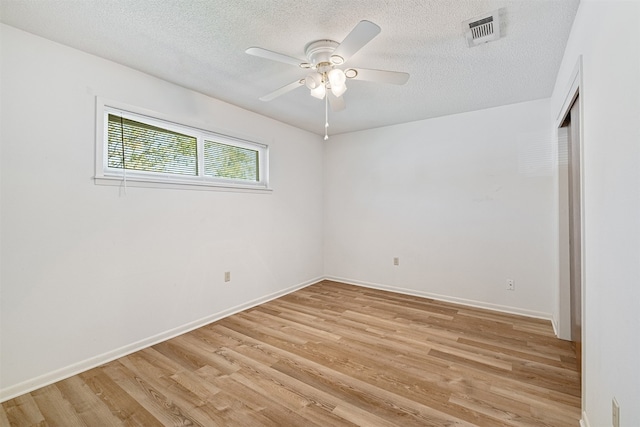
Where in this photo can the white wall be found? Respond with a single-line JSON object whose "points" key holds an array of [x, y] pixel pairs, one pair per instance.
{"points": [[465, 201], [87, 272], [607, 35]]}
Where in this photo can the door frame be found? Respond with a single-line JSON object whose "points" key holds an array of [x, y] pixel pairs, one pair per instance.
{"points": [[575, 93]]}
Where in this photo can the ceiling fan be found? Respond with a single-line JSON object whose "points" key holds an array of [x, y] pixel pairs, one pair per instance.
{"points": [[327, 76]]}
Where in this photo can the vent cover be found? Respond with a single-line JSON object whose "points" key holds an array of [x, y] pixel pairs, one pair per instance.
{"points": [[482, 29]]}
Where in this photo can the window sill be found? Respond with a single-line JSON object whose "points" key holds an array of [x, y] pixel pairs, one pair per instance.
{"points": [[118, 181]]}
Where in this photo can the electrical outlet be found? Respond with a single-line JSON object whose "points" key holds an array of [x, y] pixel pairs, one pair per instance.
{"points": [[615, 413], [396, 261], [227, 276], [511, 284]]}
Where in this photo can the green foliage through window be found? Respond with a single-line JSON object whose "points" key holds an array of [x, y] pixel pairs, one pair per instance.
{"points": [[228, 161], [150, 148], [145, 145]]}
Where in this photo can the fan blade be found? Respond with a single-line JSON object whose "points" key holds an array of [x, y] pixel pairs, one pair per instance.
{"points": [[274, 56], [379, 76], [284, 89], [336, 103], [362, 34]]}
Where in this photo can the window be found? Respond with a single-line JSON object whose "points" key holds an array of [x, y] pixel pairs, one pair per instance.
{"points": [[140, 149]]}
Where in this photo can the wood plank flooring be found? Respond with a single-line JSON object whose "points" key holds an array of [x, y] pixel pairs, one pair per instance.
{"points": [[329, 355]]}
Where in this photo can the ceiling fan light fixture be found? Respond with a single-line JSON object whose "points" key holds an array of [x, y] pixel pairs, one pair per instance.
{"points": [[318, 92], [313, 80], [338, 90], [337, 79], [337, 76]]}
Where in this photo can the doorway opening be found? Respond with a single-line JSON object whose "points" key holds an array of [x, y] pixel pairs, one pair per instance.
{"points": [[571, 221]]}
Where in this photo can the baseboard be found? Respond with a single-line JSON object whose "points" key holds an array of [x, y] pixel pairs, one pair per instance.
{"points": [[84, 365], [584, 421], [554, 323], [455, 300]]}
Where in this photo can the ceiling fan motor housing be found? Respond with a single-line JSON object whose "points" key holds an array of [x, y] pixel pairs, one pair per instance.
{"points": [[319, 53]]}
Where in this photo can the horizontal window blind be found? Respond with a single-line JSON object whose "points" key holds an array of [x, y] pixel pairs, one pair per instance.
{"points": [[133, 145], [230, 162]]}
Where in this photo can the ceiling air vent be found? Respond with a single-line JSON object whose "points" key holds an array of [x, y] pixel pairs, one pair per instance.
{"points": [[482, 29]]}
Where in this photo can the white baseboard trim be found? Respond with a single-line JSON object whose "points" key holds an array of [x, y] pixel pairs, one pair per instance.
{"points": [[455, 300], [554, 323], [84, 365]]}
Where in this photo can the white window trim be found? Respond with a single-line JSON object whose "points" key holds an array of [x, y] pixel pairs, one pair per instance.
{"points": [[116, 177]]}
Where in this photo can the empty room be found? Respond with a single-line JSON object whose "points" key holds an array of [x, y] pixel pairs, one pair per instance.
{"points": [[329, 213]]}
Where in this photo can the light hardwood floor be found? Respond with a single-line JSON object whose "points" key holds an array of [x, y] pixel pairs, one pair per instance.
{"points": [[329, 355]]}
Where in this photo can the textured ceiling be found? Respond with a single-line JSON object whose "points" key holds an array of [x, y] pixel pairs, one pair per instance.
{"points": [[200, 45]]}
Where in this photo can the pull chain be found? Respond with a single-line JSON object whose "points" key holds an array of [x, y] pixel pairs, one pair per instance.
{"points": [[326, 117]]}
